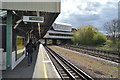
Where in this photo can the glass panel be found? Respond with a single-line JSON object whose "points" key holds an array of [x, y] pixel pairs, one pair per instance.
{"points": [[20, 42]]}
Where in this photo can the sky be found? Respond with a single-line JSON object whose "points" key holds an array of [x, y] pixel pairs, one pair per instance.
{"points": [[88, 12]]}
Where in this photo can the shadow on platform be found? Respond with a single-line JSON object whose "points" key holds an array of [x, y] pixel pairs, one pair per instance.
{"points": [[22, 70]]}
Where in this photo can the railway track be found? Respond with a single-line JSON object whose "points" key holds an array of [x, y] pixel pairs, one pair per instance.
{"points": [[114, 59], [66, 69]]}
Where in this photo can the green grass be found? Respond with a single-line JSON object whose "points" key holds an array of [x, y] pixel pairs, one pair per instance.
{"points": [[111, 55], [90, 63], [109, 45]]}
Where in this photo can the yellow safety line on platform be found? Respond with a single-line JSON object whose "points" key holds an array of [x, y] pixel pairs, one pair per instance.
{"points": [[44, 66]]}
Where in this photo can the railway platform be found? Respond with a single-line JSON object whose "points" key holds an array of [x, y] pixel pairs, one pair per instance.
{"points": [[42, 67]]}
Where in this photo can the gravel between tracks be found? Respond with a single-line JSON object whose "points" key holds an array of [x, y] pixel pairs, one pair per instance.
{"points": [[95, 67]]}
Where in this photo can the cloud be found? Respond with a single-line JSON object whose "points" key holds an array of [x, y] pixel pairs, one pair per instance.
{"points": [[88, 12]]}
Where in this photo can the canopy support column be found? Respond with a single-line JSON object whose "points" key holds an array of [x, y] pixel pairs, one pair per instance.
{"points": [[9, 40], [45, 41]]}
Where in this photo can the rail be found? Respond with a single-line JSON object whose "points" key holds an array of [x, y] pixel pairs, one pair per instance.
{"points": [[66, 69], [112, 56]]}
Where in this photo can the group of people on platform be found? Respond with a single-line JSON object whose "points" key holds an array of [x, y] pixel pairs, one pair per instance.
{"points": [[30, 48]]}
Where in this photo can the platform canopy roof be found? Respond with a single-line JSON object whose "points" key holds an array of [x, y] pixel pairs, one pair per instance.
{"points": [[49, 9], [31, 5]]}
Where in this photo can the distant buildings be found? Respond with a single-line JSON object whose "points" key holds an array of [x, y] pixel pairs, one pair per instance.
{"points": [[60, 31]]}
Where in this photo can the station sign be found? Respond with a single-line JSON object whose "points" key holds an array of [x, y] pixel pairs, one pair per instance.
{"points": [[33, 19]]}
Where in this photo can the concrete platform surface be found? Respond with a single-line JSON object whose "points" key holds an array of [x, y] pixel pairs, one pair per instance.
{"points": [[44, 67], [41, 67]]}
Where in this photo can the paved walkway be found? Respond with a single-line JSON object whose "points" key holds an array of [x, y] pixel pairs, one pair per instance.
{"points": [[41, 67], [44, 67], [22, 70]]}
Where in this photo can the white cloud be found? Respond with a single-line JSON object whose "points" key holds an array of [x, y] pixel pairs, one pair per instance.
{"points": [[88, 12]]}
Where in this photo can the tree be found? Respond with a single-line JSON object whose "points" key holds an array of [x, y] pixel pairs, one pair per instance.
{"points": [[112, 29], [88, 36]]}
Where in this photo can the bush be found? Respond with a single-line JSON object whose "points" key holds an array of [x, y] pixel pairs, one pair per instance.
{"points": [[88, 36], [99, 38]]}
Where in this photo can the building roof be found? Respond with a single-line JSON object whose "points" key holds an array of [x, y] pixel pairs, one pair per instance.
{"points": [[31, 5], [49, 9], [63, 24]]}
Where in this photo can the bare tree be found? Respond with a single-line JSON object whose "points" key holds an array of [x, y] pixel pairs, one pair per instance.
{"points": [[112, 29], [119, 29]]}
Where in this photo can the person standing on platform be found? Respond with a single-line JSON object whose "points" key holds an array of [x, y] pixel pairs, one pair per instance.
{"points": [[35, 46], [29, 49]]}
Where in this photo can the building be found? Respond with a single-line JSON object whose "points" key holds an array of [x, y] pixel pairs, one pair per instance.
{"points": [[60, 31]]}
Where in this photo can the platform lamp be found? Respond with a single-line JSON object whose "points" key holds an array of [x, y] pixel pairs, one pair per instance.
{"points": [[17, 23]]}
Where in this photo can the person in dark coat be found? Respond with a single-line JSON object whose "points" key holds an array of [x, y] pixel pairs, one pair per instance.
{"points": [[29, 49], [35, 46]]}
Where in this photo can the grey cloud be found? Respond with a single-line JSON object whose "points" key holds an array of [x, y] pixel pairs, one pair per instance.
{"points": [[97, 20], [108, 13], [88, 18], [92, 6], [79, 20], [96, 4]]}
